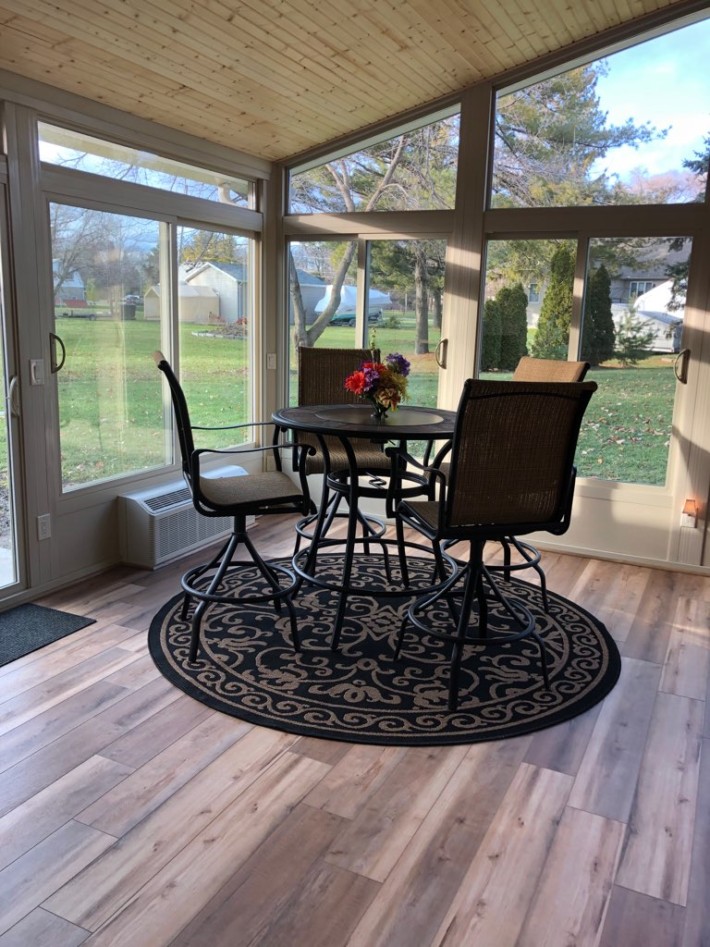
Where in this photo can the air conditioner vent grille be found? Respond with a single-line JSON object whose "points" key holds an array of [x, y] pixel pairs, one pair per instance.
{"points": [[161, 523], [166, 500]]}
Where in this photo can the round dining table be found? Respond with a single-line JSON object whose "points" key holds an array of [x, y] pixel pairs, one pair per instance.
{"points": [[348, 423]]}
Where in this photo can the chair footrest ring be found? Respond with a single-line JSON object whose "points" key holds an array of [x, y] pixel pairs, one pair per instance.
{"points": [[270, 594]]}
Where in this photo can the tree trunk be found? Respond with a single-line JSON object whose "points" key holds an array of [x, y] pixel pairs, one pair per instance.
{"points": [[437, 307], [297, 307], [421, 290], [308, 335]]}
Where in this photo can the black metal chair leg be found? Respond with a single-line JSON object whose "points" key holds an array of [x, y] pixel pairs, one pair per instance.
{"points": [[401, 551], [347, 572], [400, 637], [482, 606], [506, 559], [543, 658], [470, 588], [227, 556]]}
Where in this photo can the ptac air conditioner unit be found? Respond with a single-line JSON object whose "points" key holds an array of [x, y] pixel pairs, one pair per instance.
{"points": [[160, 523]]}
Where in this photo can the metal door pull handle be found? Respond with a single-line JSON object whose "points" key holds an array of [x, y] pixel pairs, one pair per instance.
{"points": [[54, 365]]}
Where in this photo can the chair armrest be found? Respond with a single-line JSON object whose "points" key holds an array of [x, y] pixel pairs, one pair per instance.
{"points": [[401, 453], [246, 450], [400, 458], [231, 427]]}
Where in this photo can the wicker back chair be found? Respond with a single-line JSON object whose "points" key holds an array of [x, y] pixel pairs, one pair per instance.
{"points": [[511, 473], [528, 556], [231, 492], [321, 380], [549, 369]]}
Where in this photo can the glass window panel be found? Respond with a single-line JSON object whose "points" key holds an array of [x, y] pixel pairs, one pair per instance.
{"points": [[411, 274], [81, 152], [627, 429], [110, 399], [216, 317], [527, 302], [318, 314], [414, 171], [406, 285], [632, 128]]}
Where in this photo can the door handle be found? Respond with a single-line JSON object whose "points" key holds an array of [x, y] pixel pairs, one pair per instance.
{"points": [[13, 396], [440, 352], [680, 366], [54, 365]]}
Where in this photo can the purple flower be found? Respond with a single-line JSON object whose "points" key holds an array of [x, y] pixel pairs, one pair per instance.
{"points": [[398, 363], [372, 377]]}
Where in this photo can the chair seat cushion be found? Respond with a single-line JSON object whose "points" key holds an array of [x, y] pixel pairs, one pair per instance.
{"points": [[427, 511], [264, 488]]}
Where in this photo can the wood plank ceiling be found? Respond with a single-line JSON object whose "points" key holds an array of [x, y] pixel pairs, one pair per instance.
{"points": [[275, 78]]}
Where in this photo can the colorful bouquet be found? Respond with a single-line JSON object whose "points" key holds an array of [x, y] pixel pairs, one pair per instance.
{"points": [[384, 384]]}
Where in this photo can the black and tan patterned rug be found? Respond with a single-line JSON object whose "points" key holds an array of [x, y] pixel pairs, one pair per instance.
{"points": [[247, 667]]}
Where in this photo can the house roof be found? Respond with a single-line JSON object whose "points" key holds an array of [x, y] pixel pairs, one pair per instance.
{"points": [[274, 78], [237, 271], [656, 304], [185, 291]]}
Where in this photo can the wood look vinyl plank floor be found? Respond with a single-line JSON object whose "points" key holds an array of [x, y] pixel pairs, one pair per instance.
{"points": [[131, 814]]}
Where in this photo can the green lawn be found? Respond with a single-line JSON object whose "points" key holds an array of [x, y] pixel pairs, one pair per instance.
{"points": [[627, 427], [110, 398]]}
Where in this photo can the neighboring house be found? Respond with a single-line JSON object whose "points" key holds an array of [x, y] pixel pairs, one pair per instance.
{"points": [[645, 275], [72, 291], [653, 308], [198, 304], [230, 281], [630, 284]]}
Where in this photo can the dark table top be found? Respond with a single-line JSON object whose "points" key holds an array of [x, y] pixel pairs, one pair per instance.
{"points": [[356, 420]]}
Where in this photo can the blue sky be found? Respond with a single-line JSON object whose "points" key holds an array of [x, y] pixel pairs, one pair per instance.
{"points": [[665, 81]]}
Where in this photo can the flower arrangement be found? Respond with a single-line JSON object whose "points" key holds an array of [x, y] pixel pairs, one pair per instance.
{"points": [[384, 384]]}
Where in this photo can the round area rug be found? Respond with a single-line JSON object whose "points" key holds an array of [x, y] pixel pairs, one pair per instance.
{"points": [[247, 667]]}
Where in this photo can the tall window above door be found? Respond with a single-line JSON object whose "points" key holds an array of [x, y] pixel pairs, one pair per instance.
{"points": [[631, 128], [416, 170]]}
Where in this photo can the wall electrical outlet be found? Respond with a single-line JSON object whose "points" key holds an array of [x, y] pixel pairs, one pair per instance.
{"points": [[44, 526]]}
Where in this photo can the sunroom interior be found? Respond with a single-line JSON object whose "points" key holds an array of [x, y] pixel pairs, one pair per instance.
{"points": [[455, 181], [198, 180]]}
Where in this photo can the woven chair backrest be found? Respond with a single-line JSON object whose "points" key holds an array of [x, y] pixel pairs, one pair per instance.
{"points": [[549, 369], [321, 380], [180, 410], [512, 457], [322, 373]]}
